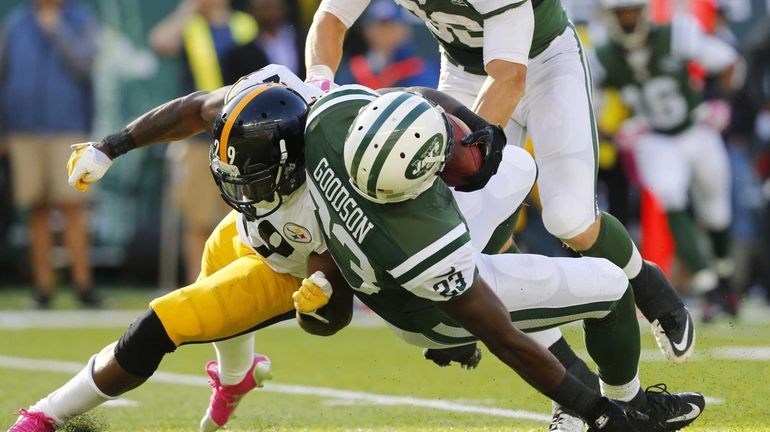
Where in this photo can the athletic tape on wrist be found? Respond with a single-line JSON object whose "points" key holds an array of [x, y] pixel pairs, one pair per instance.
{"points": [[118, 143], [320, 71]]}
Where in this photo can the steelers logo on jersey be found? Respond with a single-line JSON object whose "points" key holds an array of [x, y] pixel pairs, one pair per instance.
{"points": [[296, 233]]}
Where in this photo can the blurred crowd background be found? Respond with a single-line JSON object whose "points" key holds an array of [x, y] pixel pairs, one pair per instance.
{"points": [[76, 70]]}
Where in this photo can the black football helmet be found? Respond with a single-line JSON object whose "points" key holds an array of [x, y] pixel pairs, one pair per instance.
{"points": [[258, 151]]}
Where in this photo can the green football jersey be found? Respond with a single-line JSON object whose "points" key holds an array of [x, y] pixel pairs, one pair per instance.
{"points": [[399, 257], [653, 81], [458, 25]]}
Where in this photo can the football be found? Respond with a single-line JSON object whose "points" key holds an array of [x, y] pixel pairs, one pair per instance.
{"points": [[464, 160]]}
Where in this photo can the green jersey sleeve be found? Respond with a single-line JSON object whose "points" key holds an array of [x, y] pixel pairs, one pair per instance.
{"points": [[442, 270]]}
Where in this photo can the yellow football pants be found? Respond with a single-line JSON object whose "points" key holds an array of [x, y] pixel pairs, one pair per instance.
{"points": [[236, 291]]}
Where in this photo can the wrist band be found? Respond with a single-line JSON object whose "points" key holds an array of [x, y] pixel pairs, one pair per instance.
{"points": [[118, 143], [573, 394]]}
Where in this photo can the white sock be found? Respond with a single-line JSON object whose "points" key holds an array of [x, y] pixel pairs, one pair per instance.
{"points": [[77, 396], [624, 392], [634, 265], [234, 357]]}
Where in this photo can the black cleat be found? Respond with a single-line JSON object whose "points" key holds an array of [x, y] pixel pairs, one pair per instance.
{"points": [[468, 356], [661, 305], [675, 334], [670, 412]]}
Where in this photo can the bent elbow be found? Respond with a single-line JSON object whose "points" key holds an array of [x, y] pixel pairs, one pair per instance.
{"points": [[508, 74]]}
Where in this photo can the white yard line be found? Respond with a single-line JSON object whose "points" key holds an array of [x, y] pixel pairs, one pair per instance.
{"points": [[752, 314], [325, 392]]}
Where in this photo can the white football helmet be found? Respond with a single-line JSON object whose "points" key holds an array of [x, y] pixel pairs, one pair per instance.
{"points": [[396, 146], [630, 37]]}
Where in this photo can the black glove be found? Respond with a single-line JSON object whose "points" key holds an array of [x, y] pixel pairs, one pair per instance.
{"points": [[491, 141], [611, 416], [468, 356]]}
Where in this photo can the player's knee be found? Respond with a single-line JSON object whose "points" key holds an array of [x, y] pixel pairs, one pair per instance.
{"points": [[611, 281], [566, 217], [191, 314], [142, 347]]}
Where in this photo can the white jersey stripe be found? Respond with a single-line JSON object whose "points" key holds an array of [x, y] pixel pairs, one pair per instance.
{"points": [[426, 253]]}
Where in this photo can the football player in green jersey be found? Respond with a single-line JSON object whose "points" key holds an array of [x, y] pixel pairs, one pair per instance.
{"points": [[492, 51], [675, 136], [399, 240]]}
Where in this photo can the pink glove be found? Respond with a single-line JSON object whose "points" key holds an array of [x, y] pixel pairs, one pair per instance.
{"points": [[713, 113], [322, 77], [630, 132]]}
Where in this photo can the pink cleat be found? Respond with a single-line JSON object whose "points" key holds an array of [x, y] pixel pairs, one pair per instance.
{"points": [[225, 398], [30, 421]]}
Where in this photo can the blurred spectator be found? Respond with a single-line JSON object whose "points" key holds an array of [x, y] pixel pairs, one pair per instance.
{"points": [[202, 31], [674, 136], [278, 42], [46, 57], [390, 60], [6, 202], [283, 43], [757, 49]]}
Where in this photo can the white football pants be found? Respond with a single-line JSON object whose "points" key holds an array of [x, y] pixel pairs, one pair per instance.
{"points": [[556, 111], [695, 160]]}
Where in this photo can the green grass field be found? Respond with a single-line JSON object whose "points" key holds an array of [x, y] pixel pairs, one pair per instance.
{"points": [[366, 379]]}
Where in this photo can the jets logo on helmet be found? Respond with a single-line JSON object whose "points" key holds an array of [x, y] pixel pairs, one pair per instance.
{"points": [[425, 158], [396, 146], [258, 152]]}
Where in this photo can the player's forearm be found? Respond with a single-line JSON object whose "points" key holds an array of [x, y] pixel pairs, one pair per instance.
{"points": [[482, 313], [450, 105], [175, 120], [339, 310], [324, 41], [338, 314], [501, 92]]}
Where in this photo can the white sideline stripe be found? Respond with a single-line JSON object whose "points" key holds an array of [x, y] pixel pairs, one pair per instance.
{"points": [[373, 398], [737, 353], [714, 400], [758, 353]]}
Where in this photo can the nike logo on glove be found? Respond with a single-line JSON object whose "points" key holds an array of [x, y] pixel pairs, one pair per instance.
{"points": [[695, 412], [683, 343]]}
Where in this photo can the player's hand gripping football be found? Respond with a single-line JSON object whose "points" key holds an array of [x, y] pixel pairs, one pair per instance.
{"points": [[313, 295], [86, 165], [491, 140], [611, 416]]}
